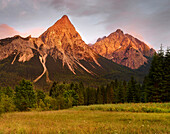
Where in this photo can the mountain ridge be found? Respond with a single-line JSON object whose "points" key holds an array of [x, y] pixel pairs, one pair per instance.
{"points": [[57, 51]]}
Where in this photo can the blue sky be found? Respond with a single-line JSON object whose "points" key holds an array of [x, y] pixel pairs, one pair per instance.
{"points": [[147, 20]]}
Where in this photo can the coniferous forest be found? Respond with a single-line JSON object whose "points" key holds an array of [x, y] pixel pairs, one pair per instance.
{"points": [[155, 88]]}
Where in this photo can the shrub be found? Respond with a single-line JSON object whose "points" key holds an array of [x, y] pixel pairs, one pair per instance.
{"points": [[6, 104], [24, 96]]}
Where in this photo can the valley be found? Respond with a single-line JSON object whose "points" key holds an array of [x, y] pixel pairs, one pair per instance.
{"points": [[84, 67]]}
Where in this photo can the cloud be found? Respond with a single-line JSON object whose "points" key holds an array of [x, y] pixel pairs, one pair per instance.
{"points": [[7, 31]]}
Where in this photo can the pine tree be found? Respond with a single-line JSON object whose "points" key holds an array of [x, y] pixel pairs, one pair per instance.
{"points": [[81, 86], [130, 90], [85, 96], [116, 86], [80, 93], [151, 83], [57, 89], [53, 89], [155, 77], [81, 98], [166, 82], [91, 96], [104, 94], [99, 97], [138, 92], [157, 84], [112, 91], [120, 93], [111, 94], [124, 91], [108, 99], [88, 95], [160, 74], [76, 87], [144, 92]]}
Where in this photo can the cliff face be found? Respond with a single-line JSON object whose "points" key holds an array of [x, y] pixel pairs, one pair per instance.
{"points": [[123, 49], [19, 46], [65, 43], [61, 54], [61, 42]]}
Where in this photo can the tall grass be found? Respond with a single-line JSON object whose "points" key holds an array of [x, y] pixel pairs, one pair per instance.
{"points": [[84, 122], [130, 107]]}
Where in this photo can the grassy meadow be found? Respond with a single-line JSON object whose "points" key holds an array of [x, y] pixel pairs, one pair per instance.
{"points": [[90, 119]]}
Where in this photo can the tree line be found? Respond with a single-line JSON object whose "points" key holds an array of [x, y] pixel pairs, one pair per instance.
{"points": [[155, 88], [63, 95]]}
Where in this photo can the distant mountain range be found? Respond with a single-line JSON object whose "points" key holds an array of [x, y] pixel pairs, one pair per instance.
{"points": [[60, 54]]}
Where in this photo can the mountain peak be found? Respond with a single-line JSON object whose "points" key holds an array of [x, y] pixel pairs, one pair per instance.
{"points": [[64, 22], [62, 27], [119, 31], [65, 17], [123, 49]]}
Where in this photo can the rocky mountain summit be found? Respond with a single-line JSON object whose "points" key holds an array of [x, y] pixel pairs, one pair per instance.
{"points": [[123, 49], [67, 45], [61, 42], [60, 54]]}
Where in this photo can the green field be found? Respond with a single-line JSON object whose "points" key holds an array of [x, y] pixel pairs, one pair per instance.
{"points": [[130, 107], [85, 119]]}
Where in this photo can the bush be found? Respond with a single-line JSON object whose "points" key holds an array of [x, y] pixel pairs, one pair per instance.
{"points": [[41, 106], [25, 96], [130, 107], [6, 104], [50, 103]]}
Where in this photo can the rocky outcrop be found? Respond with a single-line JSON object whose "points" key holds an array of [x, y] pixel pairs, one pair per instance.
{"points": [[123, 49], [60, 54], [66, 44], [60, 41], [61, 44]]}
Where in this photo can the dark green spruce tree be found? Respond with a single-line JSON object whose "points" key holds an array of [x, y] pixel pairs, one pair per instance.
{"points": [[155, 77], [99, 97], [166, 82], [156, 84]]}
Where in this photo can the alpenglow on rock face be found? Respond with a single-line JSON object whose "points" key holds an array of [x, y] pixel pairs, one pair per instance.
{"points": [[60, 54], [66, 44], [123, 49], [61, 42]]}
